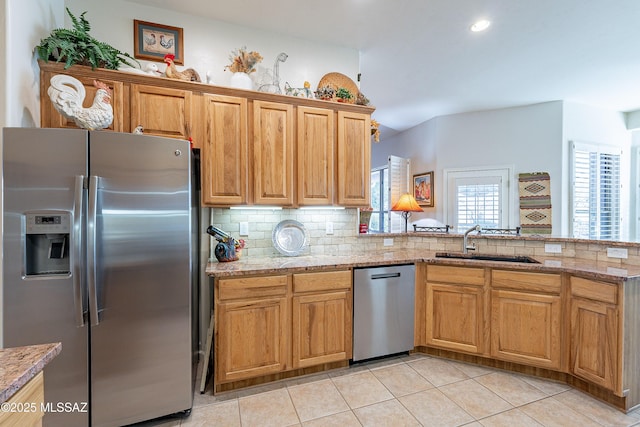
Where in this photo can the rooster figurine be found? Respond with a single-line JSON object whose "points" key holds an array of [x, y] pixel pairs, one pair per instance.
{"points": [[172, 72], [67, 95]]}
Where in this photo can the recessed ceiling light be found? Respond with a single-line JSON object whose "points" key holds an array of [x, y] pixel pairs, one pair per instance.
{"points": [[480, 25]]}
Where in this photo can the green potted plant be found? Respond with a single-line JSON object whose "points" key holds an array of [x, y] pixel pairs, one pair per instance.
{"points": [[77, 46], [344, 95]]}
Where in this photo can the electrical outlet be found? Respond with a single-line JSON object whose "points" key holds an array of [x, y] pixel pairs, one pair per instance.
{"points": [[617, 253], [244, 228], [388, 242], [329, 227], [552, 248]]}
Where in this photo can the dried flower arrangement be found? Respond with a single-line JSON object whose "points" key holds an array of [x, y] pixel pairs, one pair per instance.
{"points": [[243, 61], [375, 131]]}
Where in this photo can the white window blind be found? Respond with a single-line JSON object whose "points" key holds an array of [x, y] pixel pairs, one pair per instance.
{"points": [[595, 191], [398, 185], [477, 197]]}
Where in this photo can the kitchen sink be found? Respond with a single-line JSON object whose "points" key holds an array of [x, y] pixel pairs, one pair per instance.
{"points": [[480, 257]]}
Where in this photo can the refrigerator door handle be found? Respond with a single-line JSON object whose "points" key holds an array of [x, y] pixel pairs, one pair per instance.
{"points": [[77, 250], [91, 249]]}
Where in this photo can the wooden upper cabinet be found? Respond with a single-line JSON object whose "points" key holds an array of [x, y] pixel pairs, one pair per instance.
{"points": [[316, 146], [161, 111], [277, 150], [224, 154], [273, 153], [51, 118], [354, 159]]}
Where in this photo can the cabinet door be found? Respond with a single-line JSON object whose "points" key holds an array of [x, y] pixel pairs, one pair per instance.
{"points": [[525, 328], [315, 156], [273, 161], [455, 317], [252, 338], [161, 111], [51, 118], [594, 342], [224, 156], [321, 328], [354, 159]]}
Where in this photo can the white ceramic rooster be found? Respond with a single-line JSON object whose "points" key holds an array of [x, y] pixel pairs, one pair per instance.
{"points": [[67, 95]]}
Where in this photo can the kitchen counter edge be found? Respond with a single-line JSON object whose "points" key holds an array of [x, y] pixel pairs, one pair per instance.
{"points": [[281, 265], [18, 365]]}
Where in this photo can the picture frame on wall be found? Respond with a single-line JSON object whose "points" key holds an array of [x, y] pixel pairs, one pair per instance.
{"points": [[153, 41], [423, 189]]}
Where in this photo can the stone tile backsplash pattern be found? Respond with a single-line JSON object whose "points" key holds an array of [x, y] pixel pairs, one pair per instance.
{"points": [[346, 239]]}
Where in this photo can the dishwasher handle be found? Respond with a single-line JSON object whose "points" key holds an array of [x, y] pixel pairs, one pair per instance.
{"points": [[384, 276]]}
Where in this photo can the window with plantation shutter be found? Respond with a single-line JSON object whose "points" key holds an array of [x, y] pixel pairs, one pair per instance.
{"points": [[388, 183], [379, 200], [479, 196], [595, 191]]}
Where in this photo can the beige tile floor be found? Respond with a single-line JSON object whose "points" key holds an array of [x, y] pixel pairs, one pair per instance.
{"points": [[415, 390]]}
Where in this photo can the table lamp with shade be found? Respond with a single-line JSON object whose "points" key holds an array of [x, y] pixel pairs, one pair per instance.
{"points": [[406, 204]]}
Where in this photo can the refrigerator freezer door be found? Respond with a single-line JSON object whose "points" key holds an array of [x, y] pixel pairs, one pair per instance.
{"points": [[41, 170], [141, 341]]}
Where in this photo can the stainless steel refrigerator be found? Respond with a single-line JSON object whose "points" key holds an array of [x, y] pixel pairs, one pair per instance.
{"points": [[98, 254]]}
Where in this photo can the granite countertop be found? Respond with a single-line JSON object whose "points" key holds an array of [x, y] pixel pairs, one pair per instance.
{"points": [[271, 265], [18, 365]]}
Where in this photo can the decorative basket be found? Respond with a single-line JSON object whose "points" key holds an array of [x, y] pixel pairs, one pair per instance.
{"points": [[338, 80]]}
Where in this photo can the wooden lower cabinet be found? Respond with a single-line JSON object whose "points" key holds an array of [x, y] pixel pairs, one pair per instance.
{"points": [[526, 315], [322, 318], [272, 324], [595, 328], [252, 327], [525, 328], [455, 308], [320, 334], [27, 403]]}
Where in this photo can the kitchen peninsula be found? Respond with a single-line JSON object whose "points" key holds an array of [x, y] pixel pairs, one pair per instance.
{"points": [[21, 382], [572, 319]]}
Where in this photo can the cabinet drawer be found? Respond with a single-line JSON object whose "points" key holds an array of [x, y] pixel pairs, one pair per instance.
{"points": [[252, 287], [456, 275], [521, 280], [591, 289], [322, 281]]}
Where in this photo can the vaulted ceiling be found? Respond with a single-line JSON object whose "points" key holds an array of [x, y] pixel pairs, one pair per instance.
{"points": [[419, 59]]}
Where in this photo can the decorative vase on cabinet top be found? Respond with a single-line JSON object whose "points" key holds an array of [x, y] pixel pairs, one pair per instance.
{"points": [[241, 81]]}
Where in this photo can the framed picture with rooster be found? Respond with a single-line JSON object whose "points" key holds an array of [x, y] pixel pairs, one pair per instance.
{"points": [[153, 41], [423, 188]]}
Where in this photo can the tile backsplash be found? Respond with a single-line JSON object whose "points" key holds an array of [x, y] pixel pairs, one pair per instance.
{"points": [[263, 221], [345, 238]]}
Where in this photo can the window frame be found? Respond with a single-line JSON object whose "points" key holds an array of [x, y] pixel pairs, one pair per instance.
{"points": [[384, 211], [507, 197]]}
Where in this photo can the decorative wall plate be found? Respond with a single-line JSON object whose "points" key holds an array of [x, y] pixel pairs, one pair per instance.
{"points": [[290, 237]]}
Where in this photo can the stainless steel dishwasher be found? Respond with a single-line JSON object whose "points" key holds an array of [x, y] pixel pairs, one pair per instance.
{"points": [[383, 310]]}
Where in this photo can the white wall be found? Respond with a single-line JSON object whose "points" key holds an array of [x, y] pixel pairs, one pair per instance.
{"points": [[633, 119], [25, 22], [527, 138], [208, 43]]}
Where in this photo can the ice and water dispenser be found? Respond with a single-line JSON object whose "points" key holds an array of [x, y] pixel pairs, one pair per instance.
{"points": [[47, 243]]}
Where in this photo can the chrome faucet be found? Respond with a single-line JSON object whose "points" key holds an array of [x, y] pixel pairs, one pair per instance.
{"points": [[465, 246]]}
